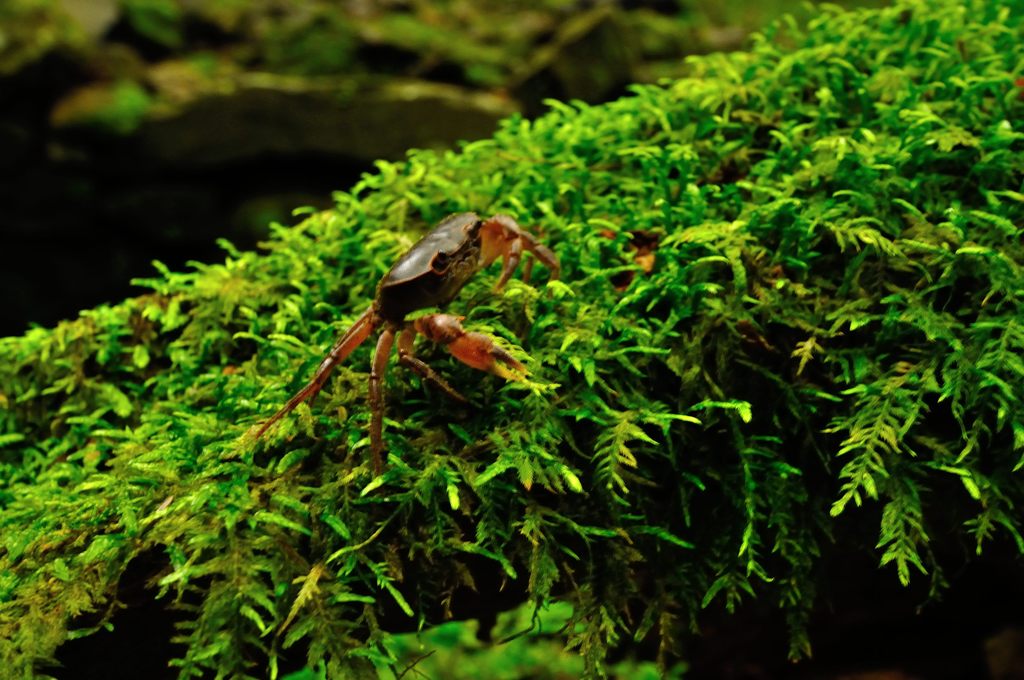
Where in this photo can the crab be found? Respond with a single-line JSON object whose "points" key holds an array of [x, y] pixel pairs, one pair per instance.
{"points": [[430, 274]]}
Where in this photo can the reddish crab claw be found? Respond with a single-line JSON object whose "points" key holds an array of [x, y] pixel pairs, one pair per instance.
{"points": [[431, 274]]}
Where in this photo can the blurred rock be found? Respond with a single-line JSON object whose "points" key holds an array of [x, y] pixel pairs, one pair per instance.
{"points": [[265, 114], [1004, 653], [112, 107], [591, 57], [94, 17]]}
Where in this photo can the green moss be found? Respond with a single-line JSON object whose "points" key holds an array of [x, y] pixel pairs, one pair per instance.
{"points": [[31, 28], [833, 325], [118, 108], [157, 20]]}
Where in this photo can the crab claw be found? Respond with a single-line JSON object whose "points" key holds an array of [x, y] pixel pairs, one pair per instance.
{"points": [[480, 352], [473, 349]]}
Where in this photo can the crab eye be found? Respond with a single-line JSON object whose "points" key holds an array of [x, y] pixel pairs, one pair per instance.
{"points": [[440, 262]]}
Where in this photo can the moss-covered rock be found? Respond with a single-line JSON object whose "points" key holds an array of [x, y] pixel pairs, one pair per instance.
{"points": [[790, 328]]}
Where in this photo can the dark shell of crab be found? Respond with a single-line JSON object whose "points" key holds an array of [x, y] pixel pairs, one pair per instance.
{"points": [[433, 271]]}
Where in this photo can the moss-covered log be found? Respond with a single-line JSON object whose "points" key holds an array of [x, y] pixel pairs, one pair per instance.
{"points": [[790, 325]]}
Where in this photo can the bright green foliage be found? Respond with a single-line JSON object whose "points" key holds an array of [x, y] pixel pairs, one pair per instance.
{"points": [[833, 325]]}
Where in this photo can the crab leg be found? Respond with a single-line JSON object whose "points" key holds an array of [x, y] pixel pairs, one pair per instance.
{"points": [[513, 253], [380, 365], [473, 349], [344, 346], [503, 237], [407, 358]]}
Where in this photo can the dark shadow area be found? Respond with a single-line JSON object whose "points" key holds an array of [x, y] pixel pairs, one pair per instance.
{"points": [[868, 625], [138, 644], [76, 236]]}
